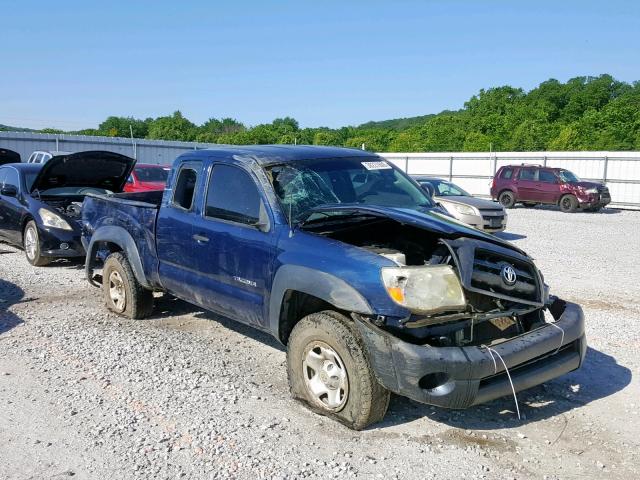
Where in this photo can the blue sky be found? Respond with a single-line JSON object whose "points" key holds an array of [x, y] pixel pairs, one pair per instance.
{"points": [[71, 64]]}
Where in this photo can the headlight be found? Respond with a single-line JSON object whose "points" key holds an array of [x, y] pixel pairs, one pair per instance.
{"points": [[424, 289], [53, 220], [464, 209], [591, 190]]}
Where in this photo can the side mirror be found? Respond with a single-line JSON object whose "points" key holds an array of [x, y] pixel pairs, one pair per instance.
{"points": [[9, 191]]}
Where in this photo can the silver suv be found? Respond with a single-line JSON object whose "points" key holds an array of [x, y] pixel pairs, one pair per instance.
{"points": [[43, 156]]}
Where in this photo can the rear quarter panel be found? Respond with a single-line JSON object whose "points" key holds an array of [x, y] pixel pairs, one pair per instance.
{"points": [[136, 217]]}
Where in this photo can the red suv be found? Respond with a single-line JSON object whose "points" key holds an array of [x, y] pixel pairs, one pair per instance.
{"points": [[534, 184]]}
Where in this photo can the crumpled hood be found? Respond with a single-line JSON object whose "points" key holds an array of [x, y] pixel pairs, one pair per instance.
{"points": [[430, 220], [480, 203], [587, 185], [98, 169]]}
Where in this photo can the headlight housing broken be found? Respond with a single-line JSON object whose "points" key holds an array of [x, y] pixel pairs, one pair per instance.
{"points": [[424, 289]]}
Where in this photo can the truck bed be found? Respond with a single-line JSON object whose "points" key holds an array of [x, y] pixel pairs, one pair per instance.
{"points": [[131, 213]]}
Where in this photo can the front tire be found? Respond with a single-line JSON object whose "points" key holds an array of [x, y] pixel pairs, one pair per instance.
{"points": [[328, 370], [31, 245], [122, 292], [569, 204], [507, 199]]}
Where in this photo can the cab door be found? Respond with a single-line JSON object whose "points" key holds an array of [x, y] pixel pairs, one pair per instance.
{"points": [[177, 258], [234, 245]]}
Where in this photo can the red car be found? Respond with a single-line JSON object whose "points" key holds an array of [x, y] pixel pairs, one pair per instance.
{"points": [[534, 184], [147, 177]]}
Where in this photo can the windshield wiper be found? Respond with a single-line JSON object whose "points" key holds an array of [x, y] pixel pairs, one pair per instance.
{"points": [[337, 216]]}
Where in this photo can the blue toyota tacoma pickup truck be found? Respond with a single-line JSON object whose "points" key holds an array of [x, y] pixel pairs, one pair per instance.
{"points": [[344, 259]]}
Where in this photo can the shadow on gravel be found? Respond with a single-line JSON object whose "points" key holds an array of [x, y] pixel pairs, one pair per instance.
{"points": [[76, 263], [509, 236], [10, 293], [600, 376], [168, 306]]}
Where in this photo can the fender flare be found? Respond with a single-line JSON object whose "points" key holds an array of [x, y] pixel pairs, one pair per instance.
{"points": [[313, 282], [122, 239]]}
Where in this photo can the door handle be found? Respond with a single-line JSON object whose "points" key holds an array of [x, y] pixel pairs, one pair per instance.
{"points": [[200, 238]]}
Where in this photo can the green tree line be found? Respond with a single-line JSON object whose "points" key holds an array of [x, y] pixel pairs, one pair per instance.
{"points": [[585, 113]]}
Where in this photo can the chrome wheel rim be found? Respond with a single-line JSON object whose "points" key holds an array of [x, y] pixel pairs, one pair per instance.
{"points": [[325, 376], [30, 243], [117, 292]]}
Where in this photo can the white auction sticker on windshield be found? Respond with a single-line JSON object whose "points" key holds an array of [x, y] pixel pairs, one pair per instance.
{"points": [[376, 165]]}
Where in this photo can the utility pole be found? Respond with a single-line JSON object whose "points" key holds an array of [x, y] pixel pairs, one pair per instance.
{"points": [[133, 144]]}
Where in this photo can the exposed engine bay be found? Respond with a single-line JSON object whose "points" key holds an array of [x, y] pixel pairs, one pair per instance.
{"points": [[68, 207], [494, 311]]}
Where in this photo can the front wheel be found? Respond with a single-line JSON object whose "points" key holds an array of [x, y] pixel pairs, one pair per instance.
{"points": [[507, 199], [568, 204], [122, 292], [329, 371], [31, 244]]}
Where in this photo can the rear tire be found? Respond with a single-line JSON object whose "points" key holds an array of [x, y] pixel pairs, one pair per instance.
{"points": [[568, 204], [328, 370], [122, 292], [31, 245], [507, 199]]}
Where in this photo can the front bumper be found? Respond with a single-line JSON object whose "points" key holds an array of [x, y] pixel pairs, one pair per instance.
{"points": [[53, 241], [466, 376], [596, 200]]}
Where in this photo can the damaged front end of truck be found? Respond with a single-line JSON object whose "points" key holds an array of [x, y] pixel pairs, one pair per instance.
{"points": [[474, 318]]}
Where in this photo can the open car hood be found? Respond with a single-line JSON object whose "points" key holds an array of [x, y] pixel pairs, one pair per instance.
{"points": [[430, 220], [98, 169]]}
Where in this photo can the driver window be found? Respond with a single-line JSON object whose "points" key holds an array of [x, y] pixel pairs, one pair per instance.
{"points": [[547, 177], [232, 195], [12, 178]]}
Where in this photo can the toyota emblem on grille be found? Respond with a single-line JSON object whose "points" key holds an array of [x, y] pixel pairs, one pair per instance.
{"points": [[508, 275]]}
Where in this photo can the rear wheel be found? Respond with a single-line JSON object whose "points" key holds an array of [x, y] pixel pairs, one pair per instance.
{"points": [[568, 204], [507, 199], [122, 292], [329, 371], [31, 244]]}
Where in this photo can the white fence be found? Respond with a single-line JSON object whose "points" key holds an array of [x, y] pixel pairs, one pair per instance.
{"points": [[474, 171]]}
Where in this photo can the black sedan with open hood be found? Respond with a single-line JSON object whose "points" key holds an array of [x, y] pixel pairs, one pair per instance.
{"points": [[41, 205]]}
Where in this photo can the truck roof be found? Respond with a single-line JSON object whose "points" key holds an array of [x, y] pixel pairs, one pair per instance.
{"points": [[266, 154]]}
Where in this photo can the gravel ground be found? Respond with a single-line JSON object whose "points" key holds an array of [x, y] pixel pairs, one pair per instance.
{"points": [[89, 395]]}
